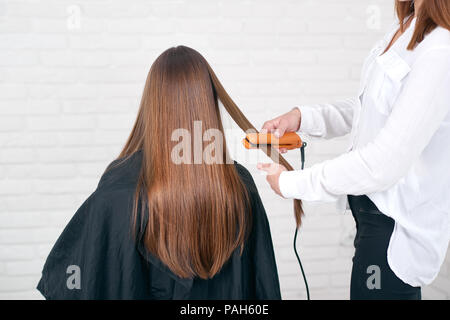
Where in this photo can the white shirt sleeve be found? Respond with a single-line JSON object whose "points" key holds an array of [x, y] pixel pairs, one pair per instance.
{"points": [[417, 114], [328, 120]]}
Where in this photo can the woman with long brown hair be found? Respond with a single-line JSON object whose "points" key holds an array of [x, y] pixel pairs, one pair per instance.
{"points": [[396, 173], [172, 217]]}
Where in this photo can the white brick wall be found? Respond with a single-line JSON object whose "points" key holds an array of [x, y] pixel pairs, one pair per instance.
{"points": [[70, 88]]}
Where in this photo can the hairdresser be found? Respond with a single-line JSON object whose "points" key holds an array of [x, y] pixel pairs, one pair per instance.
{"points": [[396, 175]]}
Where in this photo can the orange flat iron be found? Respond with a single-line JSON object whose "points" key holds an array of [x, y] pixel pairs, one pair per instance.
{"points": [[290, 140]]}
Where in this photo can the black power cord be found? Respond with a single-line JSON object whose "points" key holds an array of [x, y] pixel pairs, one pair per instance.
{"points": [[302, 155]]}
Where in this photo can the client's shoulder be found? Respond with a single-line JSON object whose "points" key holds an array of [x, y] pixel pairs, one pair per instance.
{"points": [[122, 173], [115, 191], [246, 177]]}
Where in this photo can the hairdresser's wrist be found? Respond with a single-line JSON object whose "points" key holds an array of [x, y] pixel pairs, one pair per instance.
{"points": [[298, 113]]}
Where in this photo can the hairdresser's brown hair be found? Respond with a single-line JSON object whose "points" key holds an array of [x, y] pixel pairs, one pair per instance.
{"points": [[432, 13], [198, 214]]}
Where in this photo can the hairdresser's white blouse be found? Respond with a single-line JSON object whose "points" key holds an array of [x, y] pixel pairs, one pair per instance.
{"points": [[400, 151]]}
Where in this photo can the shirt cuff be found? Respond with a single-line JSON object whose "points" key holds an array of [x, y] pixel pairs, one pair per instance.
{"points": [[307, 120], [288, 184]]}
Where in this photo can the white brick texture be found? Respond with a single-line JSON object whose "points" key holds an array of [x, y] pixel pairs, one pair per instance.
{"points": [[71, 76]]}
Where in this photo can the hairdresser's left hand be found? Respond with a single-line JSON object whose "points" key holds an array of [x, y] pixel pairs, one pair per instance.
{"points": [[273, 175]]}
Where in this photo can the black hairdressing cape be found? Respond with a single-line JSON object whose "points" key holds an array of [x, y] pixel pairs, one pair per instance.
{"points": [[112, 265]]}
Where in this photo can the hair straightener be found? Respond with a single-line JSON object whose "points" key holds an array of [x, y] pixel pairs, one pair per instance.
{"points": [[290, 141]]}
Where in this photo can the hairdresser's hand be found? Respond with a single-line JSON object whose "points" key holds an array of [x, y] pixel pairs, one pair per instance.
{"points": [[288, 122], [273, 174]]}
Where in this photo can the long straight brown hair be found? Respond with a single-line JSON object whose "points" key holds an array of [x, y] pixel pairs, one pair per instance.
{"points": [[432, 13], [198, 214]]}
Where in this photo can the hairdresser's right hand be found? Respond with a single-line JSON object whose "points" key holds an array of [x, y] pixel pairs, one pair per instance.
{"points": [[288, 122]]}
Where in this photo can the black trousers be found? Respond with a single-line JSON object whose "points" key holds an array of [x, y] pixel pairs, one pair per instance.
{"points": [[372, 278]]}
